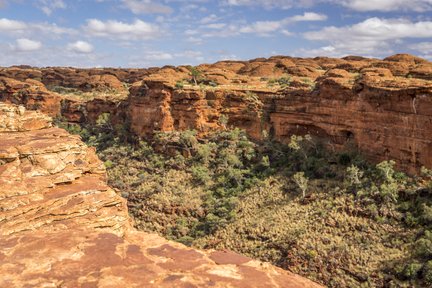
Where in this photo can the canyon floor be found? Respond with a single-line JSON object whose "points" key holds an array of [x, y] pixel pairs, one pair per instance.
{"points": [[318, 166]]}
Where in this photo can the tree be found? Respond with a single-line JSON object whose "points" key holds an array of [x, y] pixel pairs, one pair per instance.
{"points": [[354, 175], [195, 73], [302, 182], [223, 121]]}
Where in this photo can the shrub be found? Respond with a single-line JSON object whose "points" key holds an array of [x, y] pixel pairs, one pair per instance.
{"points": [[427, 272], [412, 270], [301, 181], [423, 246], [179, 85]]}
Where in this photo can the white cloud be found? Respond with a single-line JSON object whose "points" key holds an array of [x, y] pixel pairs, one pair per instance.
{"points": [[286, 32], [375, 29], [138, 30], [24, 45], [423, 47], [215, 26], [262, 28], [357, 5], [80, 47], [48, 6], [387, 5], [157, 55], [147, 7], [307, 16], [14, 27], [191, 54], [209, 19], [269, 4], [50, 29], [7, 25], [373, 36], [195, 40]]}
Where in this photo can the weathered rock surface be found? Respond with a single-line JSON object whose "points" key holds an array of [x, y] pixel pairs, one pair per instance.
{"points": [[62, 226], [30, 93]]}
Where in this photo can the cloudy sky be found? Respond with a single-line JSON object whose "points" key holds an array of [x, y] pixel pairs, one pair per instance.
{"points": [[143, 33]]}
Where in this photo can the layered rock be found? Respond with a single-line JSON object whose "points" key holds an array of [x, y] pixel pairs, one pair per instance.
{"points": [[61, 225], [381, 106], [30, 93]]}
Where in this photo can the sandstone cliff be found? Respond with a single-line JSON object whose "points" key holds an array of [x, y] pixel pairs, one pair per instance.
{"points": [[381, 106], [61, 225]]}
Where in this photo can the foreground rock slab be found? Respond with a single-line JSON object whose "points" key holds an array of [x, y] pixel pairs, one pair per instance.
{"points": [[62, 226]]}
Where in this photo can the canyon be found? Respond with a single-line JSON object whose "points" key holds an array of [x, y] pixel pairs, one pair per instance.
{"points": [[61, 225], [381, 107]]}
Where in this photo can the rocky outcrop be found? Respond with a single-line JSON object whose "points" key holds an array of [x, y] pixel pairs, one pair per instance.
{"points": [[61, 225], [33, 95], [30, 93], [158, 107], [382, 106]]}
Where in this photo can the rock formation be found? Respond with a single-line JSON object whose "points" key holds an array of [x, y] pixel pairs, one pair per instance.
{"points": [[381, 106], [61, 225]]}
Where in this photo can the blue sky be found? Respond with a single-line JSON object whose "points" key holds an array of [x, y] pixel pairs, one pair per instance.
{"points": [[144, 33]]}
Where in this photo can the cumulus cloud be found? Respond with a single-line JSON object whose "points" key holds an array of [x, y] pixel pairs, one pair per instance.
{"points": [[20, 27], [7, 25], [307, 16], [24, 45], [375, 29], [147, 7], [80, 47], [262, 28], [372, 36], [138, 30]]}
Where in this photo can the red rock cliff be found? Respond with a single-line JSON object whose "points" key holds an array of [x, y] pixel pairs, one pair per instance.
{"points": [[383, 106]]}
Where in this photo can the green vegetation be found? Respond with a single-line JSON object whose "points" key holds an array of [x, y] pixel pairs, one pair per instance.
{"points": [[197, 79], [282, 82], [253, 101], [179, 85], [301, 181], [90, 95], [195, 74], [329, 216], [309, 82]]}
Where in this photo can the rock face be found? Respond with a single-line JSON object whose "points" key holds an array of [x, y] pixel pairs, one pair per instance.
{"points": [[61, 225], [30, 93], [381, 106]]}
